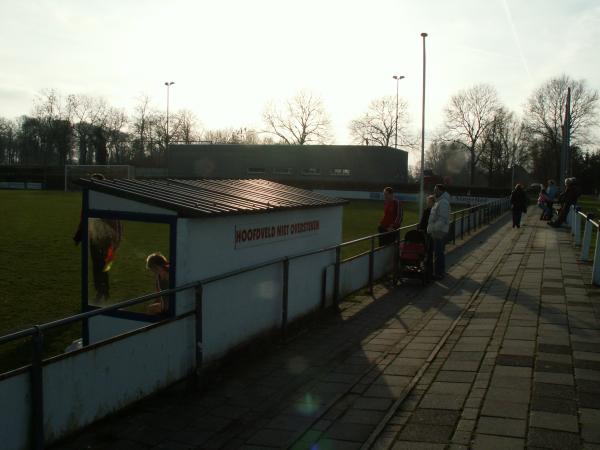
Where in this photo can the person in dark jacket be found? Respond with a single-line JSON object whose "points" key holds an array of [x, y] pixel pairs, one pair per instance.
{"points": [[422, 226], [567, 199], [518, 202]]}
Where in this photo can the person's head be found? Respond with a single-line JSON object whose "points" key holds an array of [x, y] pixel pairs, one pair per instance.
{"points": [[439, 190], [543, 191], [518, 187], [97, 176], [157, 263], [551, 182], [388, 193], [430, 200], [568, 181]]}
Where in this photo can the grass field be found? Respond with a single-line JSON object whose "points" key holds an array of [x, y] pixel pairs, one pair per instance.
{"points": [[40, 265]]}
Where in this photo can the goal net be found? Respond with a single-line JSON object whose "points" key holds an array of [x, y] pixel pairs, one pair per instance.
{"points": [[74, 172]]}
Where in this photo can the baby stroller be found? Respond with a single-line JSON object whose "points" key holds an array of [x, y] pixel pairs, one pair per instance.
{"points": [[413, 260]]}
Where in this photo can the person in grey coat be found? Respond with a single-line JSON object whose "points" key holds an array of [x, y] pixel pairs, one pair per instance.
{"points": [[437, 228]]}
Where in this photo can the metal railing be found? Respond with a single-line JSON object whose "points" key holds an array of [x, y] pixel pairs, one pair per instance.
{"points": [[469, 219], [574, 220]]}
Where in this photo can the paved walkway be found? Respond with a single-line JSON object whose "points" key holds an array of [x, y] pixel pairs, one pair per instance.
{"points": [[503, 353]]}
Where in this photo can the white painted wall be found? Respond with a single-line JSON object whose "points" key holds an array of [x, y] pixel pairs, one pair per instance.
{"points": [[354, 274], [106, 327], [15, 412], [91, 384], [245, 305], [238, 309]]}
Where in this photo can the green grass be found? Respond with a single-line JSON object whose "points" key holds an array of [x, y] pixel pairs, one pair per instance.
{"points": [[590, 204], [40, 264], [361, 218]]}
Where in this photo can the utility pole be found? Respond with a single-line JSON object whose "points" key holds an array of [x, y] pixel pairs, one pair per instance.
{"points": [[566, 142], [397, 78], [422, 187]]}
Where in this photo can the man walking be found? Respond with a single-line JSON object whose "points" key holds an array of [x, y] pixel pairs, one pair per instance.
{"points": [[392, 217], [439, 223]]}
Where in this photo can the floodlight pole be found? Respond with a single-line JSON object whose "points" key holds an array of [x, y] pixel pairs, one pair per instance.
{"points": [[422, 187], [168, 84], [397, 78]]}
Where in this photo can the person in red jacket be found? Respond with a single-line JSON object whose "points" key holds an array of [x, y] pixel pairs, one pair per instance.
{"points": [[392, 216]]}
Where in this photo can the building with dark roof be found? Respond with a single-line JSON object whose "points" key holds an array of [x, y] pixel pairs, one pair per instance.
{"points": [[295, 164]]}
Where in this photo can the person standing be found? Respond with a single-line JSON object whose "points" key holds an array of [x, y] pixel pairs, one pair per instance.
{"points": [[439, 223], [551, 192], [105, 236], [392, 217], [518, 202], [543, 203], [422, 226]]}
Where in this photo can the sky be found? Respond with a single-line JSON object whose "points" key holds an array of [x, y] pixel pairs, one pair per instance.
{"points": [[230, 58]]}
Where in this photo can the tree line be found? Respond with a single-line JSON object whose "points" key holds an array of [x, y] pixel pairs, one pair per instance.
{"points": [[480, 142]]}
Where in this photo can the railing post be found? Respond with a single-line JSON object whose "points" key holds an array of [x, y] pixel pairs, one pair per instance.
{"points": [[336, 276], [199, 330], [596, 266], [284, 297], [462, 225], [396, 258], [577, 225], [453, 229], [37, 390], [371, 264], [587, 239]]}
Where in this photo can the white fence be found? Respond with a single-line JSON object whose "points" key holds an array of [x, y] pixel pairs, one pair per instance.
{"points": [[578, 221]]}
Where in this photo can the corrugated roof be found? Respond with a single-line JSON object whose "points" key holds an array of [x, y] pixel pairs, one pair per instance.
{"points": [[196, 198]]}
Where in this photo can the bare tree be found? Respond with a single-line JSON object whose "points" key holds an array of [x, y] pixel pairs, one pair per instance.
{"points": [[468, 115], [185, 127], [89, 116], [141, 124], [545, 110], [502, 147], [118, 139], [446, 159], [236, 136], [377, 126], [301, 120], [8, 141], [52, 112], [545, 113]]}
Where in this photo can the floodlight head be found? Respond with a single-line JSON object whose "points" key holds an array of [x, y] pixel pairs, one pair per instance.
{"points": [[424, 34]]}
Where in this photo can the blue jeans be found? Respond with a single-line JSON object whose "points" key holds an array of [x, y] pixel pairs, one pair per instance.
{"points": [[439, 266]]}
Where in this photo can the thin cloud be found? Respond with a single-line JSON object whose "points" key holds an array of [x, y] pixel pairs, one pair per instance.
{"points": [[513, 29]]}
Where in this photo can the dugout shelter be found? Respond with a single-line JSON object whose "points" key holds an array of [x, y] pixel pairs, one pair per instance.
{"points": [[215, 227]]}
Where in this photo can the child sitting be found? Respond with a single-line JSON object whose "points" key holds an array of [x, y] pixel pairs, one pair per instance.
{"points": [[159, 265]]}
